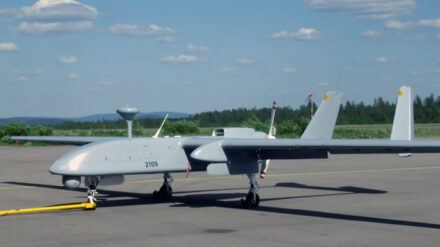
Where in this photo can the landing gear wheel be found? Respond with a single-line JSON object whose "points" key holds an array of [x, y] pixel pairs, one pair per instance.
{"points": [[250, 201], [165, 192], [91, 183]]}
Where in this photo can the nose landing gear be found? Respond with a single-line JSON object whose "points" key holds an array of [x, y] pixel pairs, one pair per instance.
{"points": [[91, 183]]}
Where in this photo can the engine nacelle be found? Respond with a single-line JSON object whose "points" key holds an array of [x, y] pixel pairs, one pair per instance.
{"points": [[71, 182], [105, 180]]}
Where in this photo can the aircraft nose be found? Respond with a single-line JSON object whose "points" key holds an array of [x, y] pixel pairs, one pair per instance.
{"points": [[68, 164]]}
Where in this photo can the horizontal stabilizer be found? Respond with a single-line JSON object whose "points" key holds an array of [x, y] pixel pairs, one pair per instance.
{"points": [[323, 123]]}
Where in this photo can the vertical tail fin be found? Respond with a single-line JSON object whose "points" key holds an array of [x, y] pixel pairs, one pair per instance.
{"points": [[403, 123], [323, 123]]}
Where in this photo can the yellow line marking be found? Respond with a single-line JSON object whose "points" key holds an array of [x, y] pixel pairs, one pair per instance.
{"points": [[17, 187], [357, 171], [269, 175], [294, 174]]}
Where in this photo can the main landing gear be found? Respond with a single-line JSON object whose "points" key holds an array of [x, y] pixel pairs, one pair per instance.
{"points": [[252, 198], [165, 192]]}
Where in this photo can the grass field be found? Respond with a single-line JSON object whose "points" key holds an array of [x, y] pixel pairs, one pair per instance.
{"points": [[341, 131], [383, 131]]}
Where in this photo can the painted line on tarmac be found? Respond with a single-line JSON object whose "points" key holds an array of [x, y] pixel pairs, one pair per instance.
{"points": [[295, 174], [269, 175], [356, 171], [17, 187]]}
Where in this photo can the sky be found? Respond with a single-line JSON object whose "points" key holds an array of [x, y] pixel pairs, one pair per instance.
{"points": [[67, 58]]}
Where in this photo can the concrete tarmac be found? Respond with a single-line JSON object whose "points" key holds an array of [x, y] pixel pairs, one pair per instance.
{"points": [[347, 200]]}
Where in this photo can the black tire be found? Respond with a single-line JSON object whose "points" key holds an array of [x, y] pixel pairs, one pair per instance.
{"points": [[165, 192], [250, 200], [156, 194]]}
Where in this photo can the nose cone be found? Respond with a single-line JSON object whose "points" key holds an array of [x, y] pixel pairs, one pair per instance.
{"points": [[70, 163]]}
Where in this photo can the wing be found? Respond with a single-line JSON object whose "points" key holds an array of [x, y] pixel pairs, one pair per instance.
{"points": [[246, 149], [71, 140]]}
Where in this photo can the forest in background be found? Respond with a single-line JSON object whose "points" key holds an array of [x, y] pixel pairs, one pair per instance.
{"points": [[289, 122]]}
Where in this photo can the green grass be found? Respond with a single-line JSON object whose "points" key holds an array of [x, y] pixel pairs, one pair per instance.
{"points": [[121, 132], [383, 131], [362, 131]]}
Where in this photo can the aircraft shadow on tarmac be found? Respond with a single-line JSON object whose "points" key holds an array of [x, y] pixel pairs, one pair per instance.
{"points": [[218, 200], [351, 189]]}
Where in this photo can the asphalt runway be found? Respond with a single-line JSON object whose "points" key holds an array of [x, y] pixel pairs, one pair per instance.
{"points": [[347, 200]]}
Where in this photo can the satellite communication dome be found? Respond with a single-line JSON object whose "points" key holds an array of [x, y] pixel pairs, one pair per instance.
{"points": [[127, 113]]}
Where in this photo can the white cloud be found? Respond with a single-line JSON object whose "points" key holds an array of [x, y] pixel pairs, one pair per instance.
{"points": [[55, 16], [192, 48], [8, 11], [372, 35], [57, 11], [393, 24], [22, 78], [27, 72], [181, 59], [382, 60], [39, 28], [365, 9], [73, 76], [165, 39], [64, 59], [301, 34], [289, 70], [435, 23], [225, 70], [105, 83], [135, 30], [245, 61], [8, 47], [231, 71]]}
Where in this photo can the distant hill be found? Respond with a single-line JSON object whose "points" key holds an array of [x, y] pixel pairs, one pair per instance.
{"points": [[90, 118]]}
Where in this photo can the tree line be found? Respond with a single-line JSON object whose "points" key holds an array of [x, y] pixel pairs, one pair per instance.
{"points": [[380, 112], [289, 122]]}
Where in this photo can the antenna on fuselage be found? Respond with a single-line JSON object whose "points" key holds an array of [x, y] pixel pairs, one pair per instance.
{"points": [[128, 113]]}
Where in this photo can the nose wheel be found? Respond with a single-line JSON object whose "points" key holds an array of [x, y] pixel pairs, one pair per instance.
{"points": [[165, 191], [252, 199], [91, 193], [91, 183]]}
